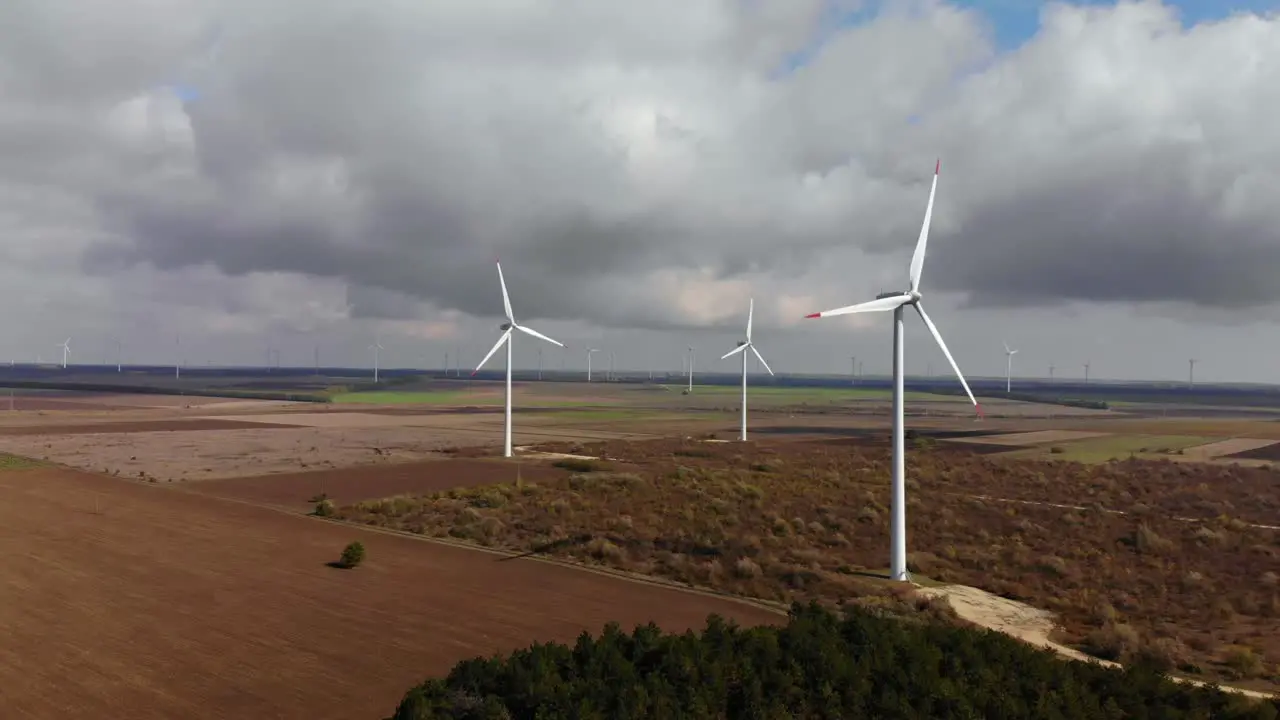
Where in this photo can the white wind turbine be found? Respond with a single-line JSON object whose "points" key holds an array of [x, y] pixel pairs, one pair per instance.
{"points": [[506, 328], [66, 348], [376, 347], [742, 348], [1008, 368], [896, 301]]}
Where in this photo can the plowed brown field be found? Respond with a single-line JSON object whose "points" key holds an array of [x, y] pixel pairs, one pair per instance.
{"points": [[349, 485], [128, 600]]}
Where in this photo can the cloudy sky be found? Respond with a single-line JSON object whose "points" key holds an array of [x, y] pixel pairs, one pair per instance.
{"points": [[323, 172]]}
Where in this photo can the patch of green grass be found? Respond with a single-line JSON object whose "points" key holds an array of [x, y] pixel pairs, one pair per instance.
{"points": [[591, 414], [392, 397], [795, 395], [17, 462], [1115, 447]]}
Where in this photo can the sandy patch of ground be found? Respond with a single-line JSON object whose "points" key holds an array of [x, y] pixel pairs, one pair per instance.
{"points": [[1221, 448], [193, 425], [1035, 437], [1028, 624]]}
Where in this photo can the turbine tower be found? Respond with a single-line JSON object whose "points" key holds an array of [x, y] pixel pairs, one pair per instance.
{"points": [[506, 328], [66, 348], [690, 390], [1191, 372], [896, 301], [1008, 367], [590, 352], [376, 347], [742, 348]]}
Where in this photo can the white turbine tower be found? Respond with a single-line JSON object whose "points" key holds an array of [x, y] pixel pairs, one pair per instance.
{"points": [[506, 328], [376, 347], [590, 352], [896, 301], [742, 348], [1008, 368], [66, 348]]}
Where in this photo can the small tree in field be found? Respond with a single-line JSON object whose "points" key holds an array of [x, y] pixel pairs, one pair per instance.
{"points": [[352, 555]]}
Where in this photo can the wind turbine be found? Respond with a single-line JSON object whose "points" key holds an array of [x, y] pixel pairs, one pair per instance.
{"points": [[590, 352], [690, 390], [506, 328], [1008, 368], [119, 354], [66, 348], [375, 347], [896, 301], [742, 348]]}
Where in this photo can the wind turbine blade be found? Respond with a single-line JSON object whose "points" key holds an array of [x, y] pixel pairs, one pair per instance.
{"points": [[760, 358], [506, 299], [496, 345], [881, 305], [917, 258], [1006, 346], [938, 336], [734, 351], [751, 311], [535, 333]]}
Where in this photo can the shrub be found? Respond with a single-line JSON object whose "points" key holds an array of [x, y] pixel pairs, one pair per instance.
{"points": [[352, 555], [324, 508], [578, 465], [1243, 662]]}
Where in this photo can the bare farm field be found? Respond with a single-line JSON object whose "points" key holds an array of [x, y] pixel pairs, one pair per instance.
{"points": [[348, 485], [231, 446], [795, 520], [166, 604]]}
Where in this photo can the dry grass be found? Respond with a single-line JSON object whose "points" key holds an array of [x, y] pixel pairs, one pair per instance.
{"points": [[790, 522]]}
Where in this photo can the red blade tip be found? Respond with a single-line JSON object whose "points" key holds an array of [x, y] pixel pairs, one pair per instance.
{"points": [[937, 168], [473, 373], [813, 315], [979, 409]]}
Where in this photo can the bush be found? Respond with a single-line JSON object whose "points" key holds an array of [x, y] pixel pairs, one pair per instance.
{"points": [[324, 508], [819, 665], [578, 465], [352, 555]]}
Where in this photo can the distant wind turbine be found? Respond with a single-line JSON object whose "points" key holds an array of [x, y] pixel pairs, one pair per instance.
{"points": [[691, 356], [590, 352], [506, 338], [1008, 368], [66, 349], [742, 348], [376, 347]]}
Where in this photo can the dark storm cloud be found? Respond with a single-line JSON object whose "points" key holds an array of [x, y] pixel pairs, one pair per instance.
{"points": [[1138, 234]]}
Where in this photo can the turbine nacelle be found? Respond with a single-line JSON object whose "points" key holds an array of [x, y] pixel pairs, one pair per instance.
{"points": [[504, 326]]}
